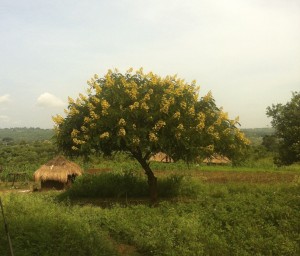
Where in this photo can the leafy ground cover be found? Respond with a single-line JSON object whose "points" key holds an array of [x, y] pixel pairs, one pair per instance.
{"points": [[216, 216]]}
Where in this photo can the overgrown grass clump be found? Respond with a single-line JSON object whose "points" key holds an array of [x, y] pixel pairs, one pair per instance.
{"points": [[128, 185], [39, 226]]}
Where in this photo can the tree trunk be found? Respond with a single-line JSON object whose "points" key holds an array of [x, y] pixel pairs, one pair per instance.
{"points": [[152, 181]]}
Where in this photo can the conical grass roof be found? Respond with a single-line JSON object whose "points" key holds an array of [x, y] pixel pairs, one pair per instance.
{"points": [[216, 159], [57, 169]]}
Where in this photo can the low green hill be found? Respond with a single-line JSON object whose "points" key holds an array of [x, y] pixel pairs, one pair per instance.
{"points": [[256, 134], [25, 134]]}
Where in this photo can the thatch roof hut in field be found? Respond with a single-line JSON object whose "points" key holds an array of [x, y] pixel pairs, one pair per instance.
{"points": [[58, 173], [216, 159], [161, 157]]}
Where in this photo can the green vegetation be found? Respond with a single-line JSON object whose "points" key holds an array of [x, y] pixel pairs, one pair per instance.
{"points": [[256, 135], [129, 185], [144, 114], [39, 226], [286, 121], [24, 134], [223, 219], [252, 209]]}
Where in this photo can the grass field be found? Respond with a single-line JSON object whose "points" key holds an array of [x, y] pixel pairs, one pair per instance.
{"points": [[208, 211]]}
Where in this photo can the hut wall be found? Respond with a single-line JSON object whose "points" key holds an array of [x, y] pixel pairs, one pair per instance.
{"points": [[52, 184]]}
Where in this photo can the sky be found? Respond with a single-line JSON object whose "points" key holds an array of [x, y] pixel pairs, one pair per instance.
{"points": [[246, 52]]}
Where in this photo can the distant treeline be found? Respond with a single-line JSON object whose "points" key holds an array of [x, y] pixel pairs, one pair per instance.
{"points": [[8, 135], [38, 134], [256, 134]]}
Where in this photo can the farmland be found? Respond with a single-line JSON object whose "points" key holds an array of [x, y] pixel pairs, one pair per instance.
{"points": [[253, 209], [205, 212]]}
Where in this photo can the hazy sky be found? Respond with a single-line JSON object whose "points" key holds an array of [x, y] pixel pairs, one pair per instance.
{"points": [[247, 52]]}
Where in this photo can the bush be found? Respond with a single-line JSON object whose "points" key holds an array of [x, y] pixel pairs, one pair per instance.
{"points": [[128, 184]]}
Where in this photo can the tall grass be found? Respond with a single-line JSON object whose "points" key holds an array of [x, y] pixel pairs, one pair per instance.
{"points": [[223, 219], [230, 219], [39, 226], [128, 184]]}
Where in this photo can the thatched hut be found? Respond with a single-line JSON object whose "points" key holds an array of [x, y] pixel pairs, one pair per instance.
{"points": [[161, 157], [216, 159], [58, 173]]}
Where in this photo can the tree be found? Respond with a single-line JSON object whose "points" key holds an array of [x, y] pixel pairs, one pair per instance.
{"points": [[270, 142], [143, 114], [286, 121]]}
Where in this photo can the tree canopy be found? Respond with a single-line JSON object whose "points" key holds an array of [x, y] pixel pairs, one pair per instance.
{"points": [[286, 121], [144, 114]]}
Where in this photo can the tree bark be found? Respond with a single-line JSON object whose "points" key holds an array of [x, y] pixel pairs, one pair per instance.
{"points": [[152, 180]]}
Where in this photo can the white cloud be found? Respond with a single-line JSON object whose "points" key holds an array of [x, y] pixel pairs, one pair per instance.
{"points": [[49, 100], [4, 98]]}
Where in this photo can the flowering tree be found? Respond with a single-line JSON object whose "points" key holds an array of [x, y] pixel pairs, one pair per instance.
{"points": [[143, 114]]}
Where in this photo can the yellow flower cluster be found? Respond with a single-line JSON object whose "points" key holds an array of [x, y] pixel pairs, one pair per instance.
{"points": [[135, 141], [191, 111], [109, 81], [74, 133], [208, 97], [135, 105], [223, 116], [104, 135], [122, 122], [122, 132], [97, 88], [216, 135], [94, 115], [176, 115], [73, 111], [87, 120], [95, 99], [91, 106], [160, 124], [241, 137], [183, 104], [92, 125], [153, 137], [177, 135], [201, 119], [105, 105], [210, 130], [147, 96], [227, 131], [200, 126], [165, 105], [70, 100], [144, 106], [82, 97], [180, 127], [84, 128], [132, 93], [78, 142], [58, 119]]}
